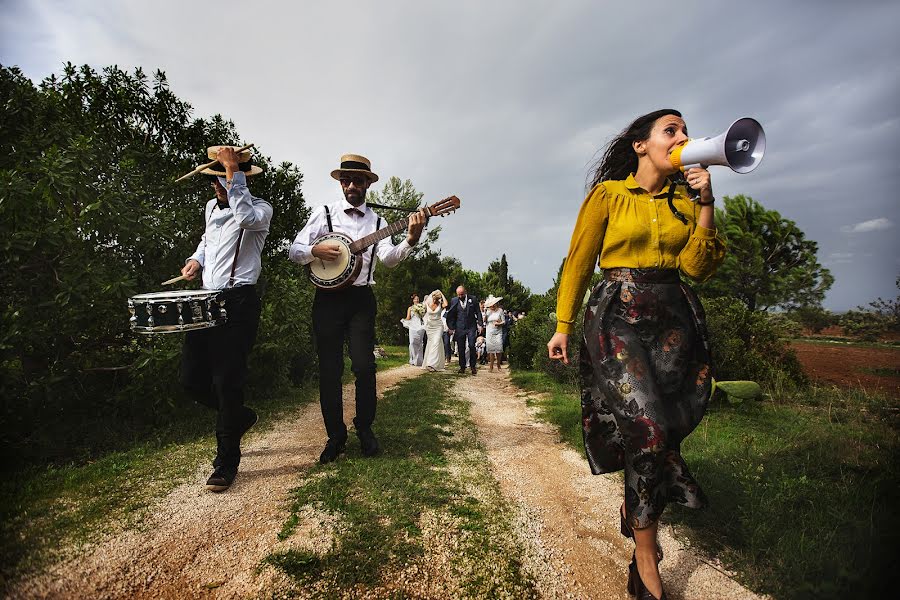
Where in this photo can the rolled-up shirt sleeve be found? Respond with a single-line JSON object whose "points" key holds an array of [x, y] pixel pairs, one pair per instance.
{"points": [[390, 254], [301, 250]]}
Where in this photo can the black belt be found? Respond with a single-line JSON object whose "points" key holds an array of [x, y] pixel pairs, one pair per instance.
{"points": [[642, 275]]}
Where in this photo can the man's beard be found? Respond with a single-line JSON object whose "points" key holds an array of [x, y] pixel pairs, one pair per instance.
{"points": [[355, 200]]}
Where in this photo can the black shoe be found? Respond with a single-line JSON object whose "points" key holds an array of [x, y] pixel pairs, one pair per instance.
{"points": [[331, 451], [250, 419], [221, 479], [368, 442], [462, 370], [474, 370]]}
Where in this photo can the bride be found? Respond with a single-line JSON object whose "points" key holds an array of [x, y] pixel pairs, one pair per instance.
{"points": [[434, 329]]}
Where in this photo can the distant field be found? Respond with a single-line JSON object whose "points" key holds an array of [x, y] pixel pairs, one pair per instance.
{"points": [[873, 368]]}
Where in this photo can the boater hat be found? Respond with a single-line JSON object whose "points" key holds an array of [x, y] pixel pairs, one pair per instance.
{"points": [[245, 164], [355, 163]]}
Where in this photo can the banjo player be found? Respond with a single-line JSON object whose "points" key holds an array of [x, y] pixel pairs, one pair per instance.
{"points": [[214, 360], [349, 312]]}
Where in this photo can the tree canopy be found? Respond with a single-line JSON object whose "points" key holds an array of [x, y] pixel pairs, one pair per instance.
{"points": [[770, 263]]}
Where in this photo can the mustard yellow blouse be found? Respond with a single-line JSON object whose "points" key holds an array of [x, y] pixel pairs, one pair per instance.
{"points": [[627, 227]]}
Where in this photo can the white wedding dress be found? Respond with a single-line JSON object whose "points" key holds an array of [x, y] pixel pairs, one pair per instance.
{"points": [[434, 347]]}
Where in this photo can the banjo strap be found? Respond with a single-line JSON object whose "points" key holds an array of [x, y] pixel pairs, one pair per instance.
{"points": [[372, 257], [328, 218]]}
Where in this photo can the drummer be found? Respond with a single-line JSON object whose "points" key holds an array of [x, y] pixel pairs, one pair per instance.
{"points": [[214, 360]]}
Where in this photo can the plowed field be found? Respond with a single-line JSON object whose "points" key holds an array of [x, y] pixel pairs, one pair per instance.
{"points": [[851, 366]]}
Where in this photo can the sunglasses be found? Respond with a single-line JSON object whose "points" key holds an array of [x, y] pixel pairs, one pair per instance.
{"points": [[357, 180]]}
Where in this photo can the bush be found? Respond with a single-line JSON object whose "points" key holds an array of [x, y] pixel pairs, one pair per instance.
{"points": [[813, 318], [746, 345]]}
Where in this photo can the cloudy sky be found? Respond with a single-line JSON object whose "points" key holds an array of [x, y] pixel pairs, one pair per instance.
{"points": [[505, 104]]}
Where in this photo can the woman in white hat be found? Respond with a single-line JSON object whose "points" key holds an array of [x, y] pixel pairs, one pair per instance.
{"points": [[494, 330]]}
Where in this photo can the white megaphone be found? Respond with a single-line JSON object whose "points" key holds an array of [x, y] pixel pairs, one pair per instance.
{"points": [[740, 148]]}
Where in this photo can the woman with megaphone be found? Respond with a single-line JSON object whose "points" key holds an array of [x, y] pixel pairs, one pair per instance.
{"points": [[644, 360]]}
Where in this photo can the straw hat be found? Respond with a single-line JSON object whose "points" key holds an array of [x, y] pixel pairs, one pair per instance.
{"points": [[355, 163], [243, 162], [492, 300]]}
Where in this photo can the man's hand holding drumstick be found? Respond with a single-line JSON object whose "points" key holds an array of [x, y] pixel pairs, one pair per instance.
{"points": [[191, 270]]}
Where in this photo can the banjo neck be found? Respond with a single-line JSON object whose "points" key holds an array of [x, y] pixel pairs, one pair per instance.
{"points": [[373, 238]]}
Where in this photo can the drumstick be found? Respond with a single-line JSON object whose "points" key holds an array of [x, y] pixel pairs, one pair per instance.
{"points": [[174, 279], [211, 163]]}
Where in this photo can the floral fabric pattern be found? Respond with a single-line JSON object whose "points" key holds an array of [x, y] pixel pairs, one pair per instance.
{"points": [[646, 380]]}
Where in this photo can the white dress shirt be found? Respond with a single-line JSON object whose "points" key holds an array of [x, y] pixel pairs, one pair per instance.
{"points": [[215, 253], [354, 225]]}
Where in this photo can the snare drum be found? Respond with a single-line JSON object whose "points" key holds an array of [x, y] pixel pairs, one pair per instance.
{"points": [[176, 311]]}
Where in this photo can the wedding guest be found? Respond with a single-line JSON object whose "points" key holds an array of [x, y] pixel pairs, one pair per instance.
{"points": [[413, 322], [493, 330], [645, 361]]}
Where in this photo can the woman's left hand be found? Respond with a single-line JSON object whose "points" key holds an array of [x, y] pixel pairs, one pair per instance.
{"points": [[700, 180]]}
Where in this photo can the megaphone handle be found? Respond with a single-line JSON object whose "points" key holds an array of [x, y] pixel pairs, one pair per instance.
{"points": [[685, 168]]}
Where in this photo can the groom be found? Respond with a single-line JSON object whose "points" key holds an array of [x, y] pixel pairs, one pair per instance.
{"points": [[464, 320]]}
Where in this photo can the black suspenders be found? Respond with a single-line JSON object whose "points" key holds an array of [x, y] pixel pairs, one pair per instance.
{"points": [[371, 256]]}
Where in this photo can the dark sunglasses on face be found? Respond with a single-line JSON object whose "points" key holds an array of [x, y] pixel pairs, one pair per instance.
{"points": [[357, 180]]}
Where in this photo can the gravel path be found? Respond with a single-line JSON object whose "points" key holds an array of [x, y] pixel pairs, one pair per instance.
{"points": [[572, 512], [201, 544]]}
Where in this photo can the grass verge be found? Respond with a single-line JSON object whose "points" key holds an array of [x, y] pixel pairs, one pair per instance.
{"points": [[803, 497], [424, 519], [46, 513]]}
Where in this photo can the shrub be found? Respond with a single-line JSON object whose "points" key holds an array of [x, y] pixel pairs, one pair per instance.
{"points": [[746, 345]]}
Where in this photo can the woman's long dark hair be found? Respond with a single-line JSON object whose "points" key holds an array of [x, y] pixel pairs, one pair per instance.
{"points": [[619, 159]]}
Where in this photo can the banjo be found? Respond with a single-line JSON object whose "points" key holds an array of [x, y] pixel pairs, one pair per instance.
{"points": [[343, 271]]}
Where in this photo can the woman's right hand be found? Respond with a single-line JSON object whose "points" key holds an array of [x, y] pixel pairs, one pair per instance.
{"points": [[558, 347]]}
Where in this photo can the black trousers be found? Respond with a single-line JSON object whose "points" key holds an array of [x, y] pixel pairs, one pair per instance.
{"points": [[347, 314], [464, 338], [214, 369]]}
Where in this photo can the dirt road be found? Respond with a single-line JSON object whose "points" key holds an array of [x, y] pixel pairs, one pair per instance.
{"points": [[200, 544], [574, 510]]}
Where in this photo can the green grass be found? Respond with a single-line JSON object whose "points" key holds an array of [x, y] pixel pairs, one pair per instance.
{"points": [[47, 510], [431, 471], [803, 496]]}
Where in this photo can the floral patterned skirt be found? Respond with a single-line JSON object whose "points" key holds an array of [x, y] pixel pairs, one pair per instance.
{"points": [[646, 380]]}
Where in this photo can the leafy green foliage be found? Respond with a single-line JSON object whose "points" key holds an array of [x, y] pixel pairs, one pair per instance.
{"points": [[746, 345], [89, 216], [770, 263], [880, 317]]}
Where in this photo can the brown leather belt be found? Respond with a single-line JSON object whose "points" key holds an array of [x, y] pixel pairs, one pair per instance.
{"points": [[642, 275]]}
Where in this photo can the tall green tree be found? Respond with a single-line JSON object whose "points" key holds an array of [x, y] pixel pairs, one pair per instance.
{"points": [[422, 272], [89, 215], [770, 263], [499, 282]]}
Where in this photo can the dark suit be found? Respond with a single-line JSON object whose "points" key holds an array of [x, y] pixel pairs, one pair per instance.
{"points": [[465, 322]]}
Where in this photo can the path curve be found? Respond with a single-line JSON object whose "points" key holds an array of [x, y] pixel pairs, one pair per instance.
{"points": [[201, 544], [576, 511]]}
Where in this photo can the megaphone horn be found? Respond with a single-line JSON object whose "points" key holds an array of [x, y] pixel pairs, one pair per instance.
{"points": [[740, 148]]}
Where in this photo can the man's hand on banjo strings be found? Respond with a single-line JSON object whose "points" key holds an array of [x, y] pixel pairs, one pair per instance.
{"points": [[326, 251], [416, 225]]}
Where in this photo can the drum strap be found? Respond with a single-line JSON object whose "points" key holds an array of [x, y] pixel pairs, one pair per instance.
{"points": [[234, 264], [328, 218], [372, 257]]}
